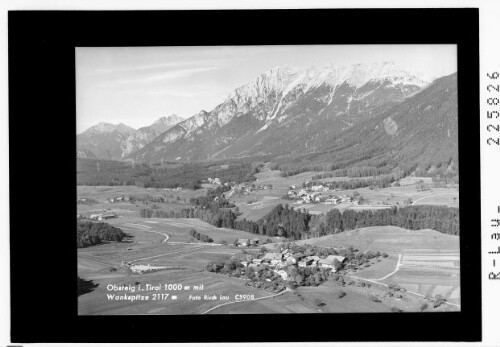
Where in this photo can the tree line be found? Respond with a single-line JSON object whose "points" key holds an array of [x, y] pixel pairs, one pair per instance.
{"points": [[296, 224], [93, 172]]}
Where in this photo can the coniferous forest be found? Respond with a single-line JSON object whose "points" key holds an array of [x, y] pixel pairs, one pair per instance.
{"points": [[91, 233], [298, 224]]}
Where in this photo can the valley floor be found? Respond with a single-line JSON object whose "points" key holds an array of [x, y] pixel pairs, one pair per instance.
{"points": [[193, 290]]}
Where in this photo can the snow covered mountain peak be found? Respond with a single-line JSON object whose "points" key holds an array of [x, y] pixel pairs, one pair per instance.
{"points": [[283, 79]]}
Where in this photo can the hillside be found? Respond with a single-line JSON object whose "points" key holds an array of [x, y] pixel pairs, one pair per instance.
{"points": [[388, 239], [286, 110], [114, 142], [421, 132], [145, 135], [102, 141]]}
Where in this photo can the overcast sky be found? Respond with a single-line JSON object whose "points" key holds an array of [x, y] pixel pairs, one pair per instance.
{"points": [[137, 85]]}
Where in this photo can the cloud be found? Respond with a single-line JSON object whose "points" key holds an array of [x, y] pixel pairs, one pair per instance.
{"points": [[141, 78], [156, 66], [169, 75]]}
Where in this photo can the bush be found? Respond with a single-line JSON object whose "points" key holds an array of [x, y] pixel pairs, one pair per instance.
{"points": [[374, 298], [439, 300], [396, 309], [319, 303], [339, 294], [91, 233], [424, 306]]}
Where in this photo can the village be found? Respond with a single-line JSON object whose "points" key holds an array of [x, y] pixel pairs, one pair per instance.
{"points": [[316, 194], [308, 193], [292, 265]]}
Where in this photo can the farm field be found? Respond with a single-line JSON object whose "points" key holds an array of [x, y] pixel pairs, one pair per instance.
{"points": [[184, 263], [305, 299], [175, 199], [419, 271], [429, 273], [389, 239], [97, 303], [102, 193], [178, 228], [424, 262], [258, 203]]}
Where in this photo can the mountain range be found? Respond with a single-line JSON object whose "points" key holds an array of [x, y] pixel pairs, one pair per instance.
{"points": [[109, 141], [293, 112]]}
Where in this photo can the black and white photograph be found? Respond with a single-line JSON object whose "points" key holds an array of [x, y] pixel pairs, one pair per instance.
{"points": [[276, 179], [251, 174]]}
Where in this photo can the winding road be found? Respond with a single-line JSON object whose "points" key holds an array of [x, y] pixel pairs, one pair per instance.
{"points": [[428, 196], [143, 228], [392, 273]]}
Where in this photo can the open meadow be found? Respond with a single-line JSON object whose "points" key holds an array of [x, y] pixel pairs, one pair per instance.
{"points": [[167, 244], [256, 204], [423, 262]]}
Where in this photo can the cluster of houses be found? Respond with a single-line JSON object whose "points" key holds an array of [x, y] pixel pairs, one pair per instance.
{"points": [[246, 188], [215, 180], [304, 196], [119, 199], [247, 242], [278, 261]]}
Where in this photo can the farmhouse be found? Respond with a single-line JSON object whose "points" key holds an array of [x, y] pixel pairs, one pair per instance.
{"points": [[255, 241], [329, 262], [243, 242], [318, 188], [298, 256], [305, 262], [107, 215], [95, 215], [272, 258], [309, 261]]}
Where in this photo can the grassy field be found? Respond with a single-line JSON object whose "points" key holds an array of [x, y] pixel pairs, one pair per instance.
{"points": [[430, 273], [185, 263], [102, 193], [178, 228], [324, 299], [97, 303], [257, 204], [424, 262], [175, 199], [420, 272], [389, 239]]}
